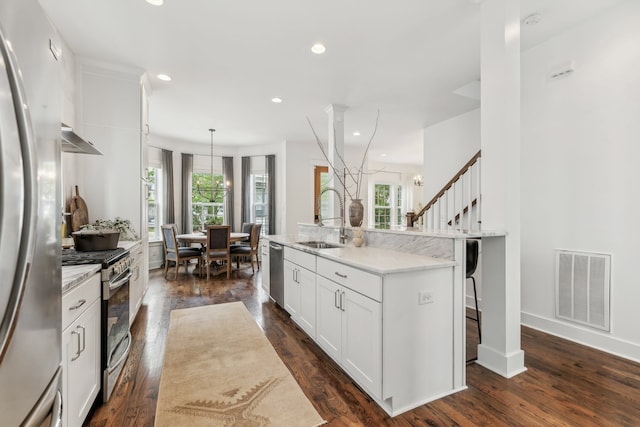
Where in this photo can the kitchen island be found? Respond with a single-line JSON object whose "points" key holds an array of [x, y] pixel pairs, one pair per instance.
{"points": [[386, 317]]}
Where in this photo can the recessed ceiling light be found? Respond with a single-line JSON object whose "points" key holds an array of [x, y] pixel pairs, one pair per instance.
{"points": [[318, 48], [383, 154], [164, 77], [276, 100], [356, 133], [156, 2]]}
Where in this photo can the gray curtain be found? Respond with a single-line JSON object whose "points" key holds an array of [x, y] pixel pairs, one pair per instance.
{"points": [[187, 169], [227, 174], [271, 188], [168, 194], [245, 208]]}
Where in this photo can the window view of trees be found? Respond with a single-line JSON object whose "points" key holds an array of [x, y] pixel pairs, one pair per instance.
{"points": [[153, 202], [208, 204], [387, 205]]}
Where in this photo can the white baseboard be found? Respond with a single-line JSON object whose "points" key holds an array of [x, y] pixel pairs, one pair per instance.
{"points": [[470, 302], [582, 335]]}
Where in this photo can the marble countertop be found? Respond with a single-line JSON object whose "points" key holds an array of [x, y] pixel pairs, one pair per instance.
{"points": [[73, 275], [376, 260], [419, 231]]}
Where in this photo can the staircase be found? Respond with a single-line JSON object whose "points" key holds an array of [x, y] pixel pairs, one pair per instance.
{"points": [[457, 206]]}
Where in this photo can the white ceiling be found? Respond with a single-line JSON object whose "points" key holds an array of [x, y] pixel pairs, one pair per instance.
{"points": [[228, 58]]}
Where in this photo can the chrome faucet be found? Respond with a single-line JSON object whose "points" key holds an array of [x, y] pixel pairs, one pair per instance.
{"points": [[343, 236]]}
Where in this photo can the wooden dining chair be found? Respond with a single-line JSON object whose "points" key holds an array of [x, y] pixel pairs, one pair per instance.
{"points": [[251, 250], [246, 228], [218, 247], [176, 254]]}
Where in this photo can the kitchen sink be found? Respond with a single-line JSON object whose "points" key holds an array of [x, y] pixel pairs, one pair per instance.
{"points": [[320, 245]]}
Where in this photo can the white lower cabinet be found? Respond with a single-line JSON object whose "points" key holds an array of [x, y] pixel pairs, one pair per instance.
{"points": [[300, 296], [400, 347], [137, 285], [80, 350], [349, 329], [264, 265]]}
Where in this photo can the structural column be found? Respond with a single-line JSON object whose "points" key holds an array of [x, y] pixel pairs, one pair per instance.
{"points": [[335, 152], [500, 177]]}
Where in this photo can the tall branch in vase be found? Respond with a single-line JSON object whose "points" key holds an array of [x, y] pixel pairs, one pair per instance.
{"points": [[349, 177]]}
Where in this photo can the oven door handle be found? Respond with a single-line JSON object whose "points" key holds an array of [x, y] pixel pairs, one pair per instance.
{"points": [[116, 285], [125, 353]]}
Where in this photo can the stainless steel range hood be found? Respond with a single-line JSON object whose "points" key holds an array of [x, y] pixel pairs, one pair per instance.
{"points": [[72, 143]]}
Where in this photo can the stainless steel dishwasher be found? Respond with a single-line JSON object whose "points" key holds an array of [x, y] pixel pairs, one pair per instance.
{"points": [[276, 272]]}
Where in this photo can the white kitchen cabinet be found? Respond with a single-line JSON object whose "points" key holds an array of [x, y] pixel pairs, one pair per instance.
{"points": [[111, 112], [264, 262], [156, 254], [300, 289], [137, 285], [394, 322], [291, 289], [80, 350], [349, 329]]}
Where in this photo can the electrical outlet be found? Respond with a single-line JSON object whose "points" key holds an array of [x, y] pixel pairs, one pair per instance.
{"points": [[425, 297]]}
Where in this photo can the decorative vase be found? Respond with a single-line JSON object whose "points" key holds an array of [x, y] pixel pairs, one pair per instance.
{"points": [[356, 212]]}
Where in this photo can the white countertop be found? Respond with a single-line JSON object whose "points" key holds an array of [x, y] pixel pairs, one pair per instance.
{"points": [[375, 260], [73, 275]]}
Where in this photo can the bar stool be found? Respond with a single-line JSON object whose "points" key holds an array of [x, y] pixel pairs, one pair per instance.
{"points": [[472, 264]]}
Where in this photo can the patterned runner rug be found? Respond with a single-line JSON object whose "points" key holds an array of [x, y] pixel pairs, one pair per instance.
{"points": [[220, 370]]}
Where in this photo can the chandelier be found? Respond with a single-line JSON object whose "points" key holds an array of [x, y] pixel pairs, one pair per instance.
{"points": [[418, 181], [217, 188]]}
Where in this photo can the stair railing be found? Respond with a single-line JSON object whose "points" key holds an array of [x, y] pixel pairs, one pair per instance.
{"points": [[456, 207]]}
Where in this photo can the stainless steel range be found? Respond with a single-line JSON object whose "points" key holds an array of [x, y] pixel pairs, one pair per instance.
{"points": [[116, 338]]}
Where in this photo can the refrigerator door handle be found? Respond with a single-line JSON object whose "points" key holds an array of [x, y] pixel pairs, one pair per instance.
{"points": [[30, 208], [50, 404]]}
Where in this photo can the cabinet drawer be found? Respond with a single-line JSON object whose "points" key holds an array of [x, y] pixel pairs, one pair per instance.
{"points": [[364, 283], [72, 302], [303, 259]]}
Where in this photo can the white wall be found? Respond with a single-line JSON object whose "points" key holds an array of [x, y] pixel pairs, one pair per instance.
{"points": [[579, 169], [448, 145]]}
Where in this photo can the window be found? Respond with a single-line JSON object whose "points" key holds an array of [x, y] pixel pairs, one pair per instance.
{"points": [[387, 205], [207, 205], [260, 211], [154, 202], [259, 193]]}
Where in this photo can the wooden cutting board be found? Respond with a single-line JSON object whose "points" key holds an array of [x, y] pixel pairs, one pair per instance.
{"points": [[79, 212]]}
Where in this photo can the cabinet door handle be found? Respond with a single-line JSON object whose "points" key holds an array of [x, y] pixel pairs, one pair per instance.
{"points": [[344, 276], [335, 299], [342, 300], [78, 305], [83, 337], [75, 357]]}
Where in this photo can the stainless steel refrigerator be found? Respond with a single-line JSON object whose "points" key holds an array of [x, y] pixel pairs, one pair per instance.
{"points": [[30, 217]]}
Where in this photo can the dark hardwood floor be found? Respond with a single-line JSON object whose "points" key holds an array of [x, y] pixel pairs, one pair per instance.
{"points": [[566, 384]]}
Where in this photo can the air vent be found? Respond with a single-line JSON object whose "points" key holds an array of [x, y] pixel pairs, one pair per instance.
{"points": [[582, 288], [562, 71]]}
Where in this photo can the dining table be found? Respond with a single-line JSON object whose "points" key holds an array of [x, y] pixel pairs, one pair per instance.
{"points": [[201, 238]]}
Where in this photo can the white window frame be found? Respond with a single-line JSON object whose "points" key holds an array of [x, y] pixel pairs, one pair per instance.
{"points": [[156, 235]]}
